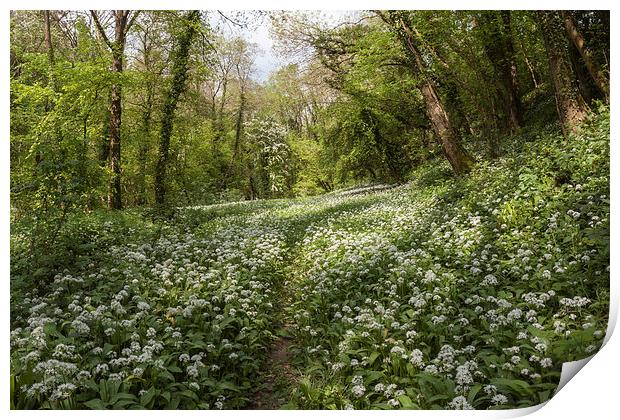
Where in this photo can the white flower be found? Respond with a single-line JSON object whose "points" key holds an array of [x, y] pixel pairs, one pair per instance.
{"points": [[80, 327], [143, 306], [489, 280], [546, 362], [460, 403], [463, 376], [499, 399], [490, 389], [358, 390], [416, 358]]}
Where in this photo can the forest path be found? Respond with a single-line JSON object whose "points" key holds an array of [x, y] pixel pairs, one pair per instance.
{"points": [[280, 371], [278, 377]]}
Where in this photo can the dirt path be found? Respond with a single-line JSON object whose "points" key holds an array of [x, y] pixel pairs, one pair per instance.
{"points": [[277, 380], [278, 377]]}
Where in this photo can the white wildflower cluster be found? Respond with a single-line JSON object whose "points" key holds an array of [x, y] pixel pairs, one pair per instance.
{"points": [[388, 288], [459, 403], [388, 279], [159, 299]]}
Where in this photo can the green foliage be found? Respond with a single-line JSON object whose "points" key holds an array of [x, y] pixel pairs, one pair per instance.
{"points": [[486, 284], [408, 288], [461, 294], [271, 167]]}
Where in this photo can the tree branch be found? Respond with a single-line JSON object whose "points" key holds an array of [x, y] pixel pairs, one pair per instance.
{"points": [[234, 22], [100, 29], [131, 21]]}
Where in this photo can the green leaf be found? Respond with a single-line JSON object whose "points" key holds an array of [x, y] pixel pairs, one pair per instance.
{"points": [[148, 396], [406, 402], [95, 404], [373, 376], [189, 394], [92, 385], [174, 369], [166, 375], [123, 403], [373, 357], [229, 386], [122, 396], [519, 387], [174, 403], [473, 392]]}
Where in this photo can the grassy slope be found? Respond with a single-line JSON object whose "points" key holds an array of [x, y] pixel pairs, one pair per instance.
{"points": [[409, 297]]}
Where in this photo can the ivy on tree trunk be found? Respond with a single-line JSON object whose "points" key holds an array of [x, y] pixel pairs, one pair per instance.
{"points": [[179, 78]]}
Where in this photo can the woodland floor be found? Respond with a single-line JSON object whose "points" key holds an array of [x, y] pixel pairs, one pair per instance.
{"points": [[442, 293]]}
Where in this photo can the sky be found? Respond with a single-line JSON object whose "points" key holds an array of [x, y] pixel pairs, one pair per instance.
{"points": [[267, 61]]}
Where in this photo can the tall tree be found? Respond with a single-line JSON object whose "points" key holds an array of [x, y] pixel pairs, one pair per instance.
{"points": [[47, 35], [569, 102], [509, 72], [456, 154], [179, 77], [602, 83], [497, 43], [47, 38], [122, 24], [146, 40], [243, 67]]}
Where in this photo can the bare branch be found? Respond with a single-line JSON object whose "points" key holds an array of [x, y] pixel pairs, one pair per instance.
{"points": [[100, 29], [131, 21], [238, 24]]}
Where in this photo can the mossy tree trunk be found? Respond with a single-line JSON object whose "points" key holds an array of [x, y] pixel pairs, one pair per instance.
{"points": [[496, 32], [602, 83], [122, 24], [569, 102], [179, 78], [460, 161]]}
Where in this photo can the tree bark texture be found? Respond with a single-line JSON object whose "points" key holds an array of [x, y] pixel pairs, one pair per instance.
{"points": [[117, 47], [498, 46], [570, 105]]}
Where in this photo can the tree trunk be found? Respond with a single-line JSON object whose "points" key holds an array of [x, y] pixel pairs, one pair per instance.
{"points": [[459, 159], [114, 195], [587, 88], [117, 47], [509, 70], [498, 47], [144, 144], [179, 77], [146, 121], [47, 35], [569, 103], [529, 66], [602, 83], [238, 129], [219, 122]]}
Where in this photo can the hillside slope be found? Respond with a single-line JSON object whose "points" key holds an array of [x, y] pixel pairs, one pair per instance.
{"points": [[441, 293]]}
